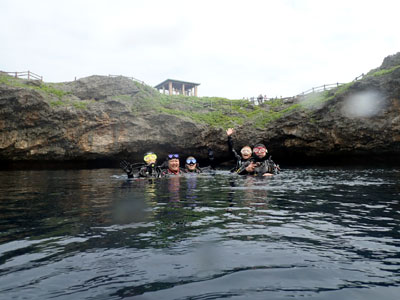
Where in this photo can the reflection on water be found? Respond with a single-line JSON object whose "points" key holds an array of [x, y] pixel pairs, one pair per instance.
{"points": [[92, 234]]}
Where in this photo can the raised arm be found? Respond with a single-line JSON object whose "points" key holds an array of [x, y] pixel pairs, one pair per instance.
{"points": [[229, 133]]}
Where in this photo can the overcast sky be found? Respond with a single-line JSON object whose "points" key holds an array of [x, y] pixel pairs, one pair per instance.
{"points": [[234, 49]]}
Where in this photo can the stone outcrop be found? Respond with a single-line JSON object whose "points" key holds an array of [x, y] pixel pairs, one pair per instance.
{"points": [[360, 124], [34, 129], [99, 87], [357, 122]]}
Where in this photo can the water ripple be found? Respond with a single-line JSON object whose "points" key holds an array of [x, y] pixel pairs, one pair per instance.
{"points": [[306, 233]]}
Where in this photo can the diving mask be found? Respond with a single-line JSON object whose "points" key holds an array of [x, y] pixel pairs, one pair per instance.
{"points": [[150, 157], [246, 151], [259, 150]]}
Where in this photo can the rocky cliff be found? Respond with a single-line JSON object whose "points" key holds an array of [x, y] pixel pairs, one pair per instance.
{"points": [[107, 119], [358, 122], [92, 119]]}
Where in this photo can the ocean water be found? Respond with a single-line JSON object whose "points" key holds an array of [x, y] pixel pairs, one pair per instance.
{"points": [[314, 233]]}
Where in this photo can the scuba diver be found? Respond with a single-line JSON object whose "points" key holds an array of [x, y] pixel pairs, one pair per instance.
{"points": [[192, 166], [150, 170], [172, 165], [243, 160], [261, 164], [147, 169]]}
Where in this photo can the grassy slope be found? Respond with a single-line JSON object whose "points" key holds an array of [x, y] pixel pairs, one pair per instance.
{"points": [[221, 112], [54, 96], [218, 112]]}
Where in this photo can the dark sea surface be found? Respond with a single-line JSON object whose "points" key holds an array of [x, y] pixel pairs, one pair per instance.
{"points": [[317, 233]]}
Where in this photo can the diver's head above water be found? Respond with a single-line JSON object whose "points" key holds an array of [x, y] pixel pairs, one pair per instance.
{"points": [[246, 152], [173, 162], [260, 150], [150, 158], [191, 164]]}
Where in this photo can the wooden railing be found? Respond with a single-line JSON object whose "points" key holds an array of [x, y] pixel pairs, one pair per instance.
{"points": [[321, 88], [326, 87], [317, 89], [26, 74], [131, 78]]}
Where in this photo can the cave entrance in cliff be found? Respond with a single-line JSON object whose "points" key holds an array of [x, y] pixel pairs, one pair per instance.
{"points": [[178, 87]]}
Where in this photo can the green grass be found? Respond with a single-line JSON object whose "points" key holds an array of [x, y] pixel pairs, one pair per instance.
{"points": [[213, 111], [343, 88], [57, 103], [4, 79], [315, 100], [80, 105], [83, 104], [383, 72], [124, 98], [16, 82]]}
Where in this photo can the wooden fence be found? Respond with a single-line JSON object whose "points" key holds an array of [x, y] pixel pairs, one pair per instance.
{"points": [[324, 87], [26, 74], [131, 78], [321, 88]]}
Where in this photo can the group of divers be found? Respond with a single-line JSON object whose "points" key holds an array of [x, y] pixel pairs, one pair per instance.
{"points": [[254, 162]]}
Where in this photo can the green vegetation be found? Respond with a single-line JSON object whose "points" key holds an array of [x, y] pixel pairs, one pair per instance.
{"points": [[383, 72], [220, 112], [80, 104], [51, 90], [213, 111], [38, 86], [57, 103], [343, 88], [58, 97]]}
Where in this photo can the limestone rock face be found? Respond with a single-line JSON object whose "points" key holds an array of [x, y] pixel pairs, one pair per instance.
{"points": [[31, 129], [360, 123], [100, 87], [391, 61]]}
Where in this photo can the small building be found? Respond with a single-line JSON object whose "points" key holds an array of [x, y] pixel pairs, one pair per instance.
{"points": [[177, 87]]}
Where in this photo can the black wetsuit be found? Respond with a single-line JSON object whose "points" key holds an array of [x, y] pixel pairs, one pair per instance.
{"points": [[141, 170], [209, 168], [197, 170], [241, 163], [265, 165], [150, 171], [168, 172]]}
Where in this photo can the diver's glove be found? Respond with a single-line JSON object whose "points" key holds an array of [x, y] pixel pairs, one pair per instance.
{"points": [[126, 166]]}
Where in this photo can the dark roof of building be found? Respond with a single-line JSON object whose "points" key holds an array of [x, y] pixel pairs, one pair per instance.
{"points": [[177, 82]]}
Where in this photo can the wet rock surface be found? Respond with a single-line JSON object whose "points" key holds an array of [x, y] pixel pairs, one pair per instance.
{"points": [[362, 123]]}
